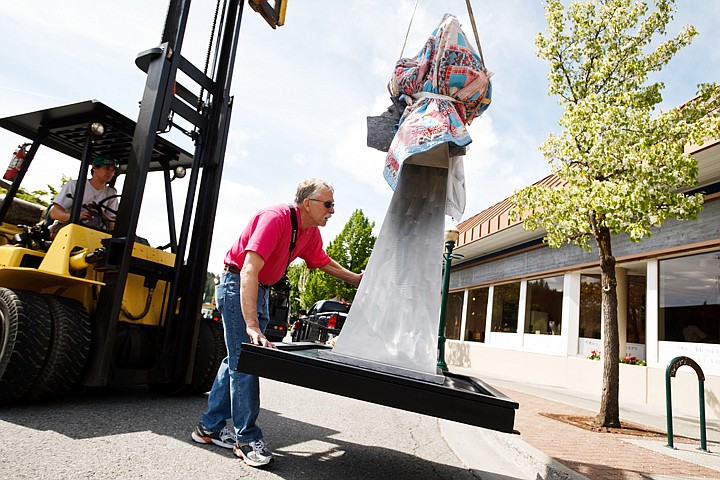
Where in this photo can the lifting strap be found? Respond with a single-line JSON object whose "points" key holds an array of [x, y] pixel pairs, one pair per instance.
{"points": [[294, 222], [472, 22], [293, 237]]}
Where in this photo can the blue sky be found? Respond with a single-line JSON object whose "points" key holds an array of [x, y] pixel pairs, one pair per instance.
{"points": [[303, 92]]}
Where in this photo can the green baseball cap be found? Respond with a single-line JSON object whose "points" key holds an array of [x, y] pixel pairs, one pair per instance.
{"points": [[103, 161]]}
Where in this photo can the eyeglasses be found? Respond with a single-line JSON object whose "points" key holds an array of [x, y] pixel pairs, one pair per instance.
{"points": [[327, 204]]}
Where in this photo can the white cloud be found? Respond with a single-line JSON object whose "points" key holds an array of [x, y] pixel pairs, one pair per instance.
{"points": [[303, 91]]}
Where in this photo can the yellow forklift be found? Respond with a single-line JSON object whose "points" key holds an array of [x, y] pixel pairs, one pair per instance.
{"points": [[97, 308]]}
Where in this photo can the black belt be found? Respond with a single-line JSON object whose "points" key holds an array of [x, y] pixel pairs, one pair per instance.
{"points": [[232, 268]]}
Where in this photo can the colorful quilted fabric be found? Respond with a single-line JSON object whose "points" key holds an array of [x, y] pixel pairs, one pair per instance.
{"points": [[446, 86]]}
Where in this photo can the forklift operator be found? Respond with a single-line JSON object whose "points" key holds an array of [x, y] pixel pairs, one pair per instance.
{"points": [[97, 190]]}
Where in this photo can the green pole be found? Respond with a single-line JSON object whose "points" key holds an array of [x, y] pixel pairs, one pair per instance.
{"points": [[451, 237], [668, 403], [703, 433]]}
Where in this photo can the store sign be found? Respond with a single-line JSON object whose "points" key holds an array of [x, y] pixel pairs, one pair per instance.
{"points": [[706, 355], [588, 345]]}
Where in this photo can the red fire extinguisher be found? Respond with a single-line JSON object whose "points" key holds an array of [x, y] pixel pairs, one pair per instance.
{"points": [[16, 162]]}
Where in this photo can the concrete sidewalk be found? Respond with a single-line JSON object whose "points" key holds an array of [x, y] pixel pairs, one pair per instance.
{"points": [[548, 448]]}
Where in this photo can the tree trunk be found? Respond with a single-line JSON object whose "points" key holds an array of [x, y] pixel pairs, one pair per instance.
{"points": [[609, 415]]}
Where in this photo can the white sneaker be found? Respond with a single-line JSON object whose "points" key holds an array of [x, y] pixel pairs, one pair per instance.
{"points": [[224, 438], [255, 454]]}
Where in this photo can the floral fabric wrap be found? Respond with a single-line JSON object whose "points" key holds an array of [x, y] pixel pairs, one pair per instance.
{"points": [[445, 86]]}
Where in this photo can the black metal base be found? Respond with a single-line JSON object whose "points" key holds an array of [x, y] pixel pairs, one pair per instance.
{"points": [[460, 398]]}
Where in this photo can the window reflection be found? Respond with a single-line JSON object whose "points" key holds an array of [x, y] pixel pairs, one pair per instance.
{"points": [[637, 295], [476, 315], [590, 306], [506, 299], [690, 298], [543, 311], [453, 317]]}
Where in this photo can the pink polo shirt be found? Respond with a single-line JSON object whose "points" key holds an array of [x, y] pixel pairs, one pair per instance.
{"points": [[268, 234]]}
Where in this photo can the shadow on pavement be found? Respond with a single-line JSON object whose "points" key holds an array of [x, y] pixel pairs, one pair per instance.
{"points": [[302, 450]]}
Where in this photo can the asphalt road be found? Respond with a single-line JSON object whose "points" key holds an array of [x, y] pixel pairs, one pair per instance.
{"points": [[132, 433]]}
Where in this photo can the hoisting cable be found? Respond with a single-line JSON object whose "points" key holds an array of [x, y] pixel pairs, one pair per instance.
{"points": [[472, 22], [484, 100], [477, 38], [408, 29]]}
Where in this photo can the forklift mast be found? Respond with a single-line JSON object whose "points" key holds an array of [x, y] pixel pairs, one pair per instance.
{"points": [[162, 100]]}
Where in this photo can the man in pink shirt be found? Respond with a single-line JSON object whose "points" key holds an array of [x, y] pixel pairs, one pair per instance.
{"points": [[258, 259]]}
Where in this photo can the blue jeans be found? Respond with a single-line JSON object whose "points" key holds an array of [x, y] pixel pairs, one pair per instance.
{"points": [[235, 394]]}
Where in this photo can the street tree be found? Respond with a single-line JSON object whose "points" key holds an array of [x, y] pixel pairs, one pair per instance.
{"points": [[351, 249], [297, 276], [619, 159], [209, 291]]}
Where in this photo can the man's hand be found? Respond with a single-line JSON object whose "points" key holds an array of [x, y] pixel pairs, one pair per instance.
{"points": [[257, 338], [338, 271]]}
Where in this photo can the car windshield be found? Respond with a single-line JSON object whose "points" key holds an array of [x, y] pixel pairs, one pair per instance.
{"points": [[332, 306]]}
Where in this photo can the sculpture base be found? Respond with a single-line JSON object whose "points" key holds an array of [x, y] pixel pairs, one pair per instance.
{"points": [[460, 398], [380, 367]]}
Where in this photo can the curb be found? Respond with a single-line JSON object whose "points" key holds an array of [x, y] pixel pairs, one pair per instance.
{"points": [[531, 460], [503, 454]]}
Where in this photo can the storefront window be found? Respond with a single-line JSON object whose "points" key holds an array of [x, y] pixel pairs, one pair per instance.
{"points": [[476, 315], [453, 315], [637, 292], [506, 299], [543, 311], [590, 306], [690, 298]]}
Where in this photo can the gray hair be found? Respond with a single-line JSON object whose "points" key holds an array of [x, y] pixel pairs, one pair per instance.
{"points": [[309, 188]]}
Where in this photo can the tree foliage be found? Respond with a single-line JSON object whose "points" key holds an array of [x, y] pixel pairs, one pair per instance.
{"points": [[297, 275], [38, 197], [621, 161], [209, 292], [351, 249]]}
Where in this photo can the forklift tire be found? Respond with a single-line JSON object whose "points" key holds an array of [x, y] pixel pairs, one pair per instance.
{"points": [[68, 351], [209, 355], [26, 332]]}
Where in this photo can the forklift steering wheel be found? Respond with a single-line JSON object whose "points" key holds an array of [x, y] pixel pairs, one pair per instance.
{"points": [[102, 206]]}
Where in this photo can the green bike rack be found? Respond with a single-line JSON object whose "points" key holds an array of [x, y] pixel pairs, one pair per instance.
{"points": [[671, 370]]}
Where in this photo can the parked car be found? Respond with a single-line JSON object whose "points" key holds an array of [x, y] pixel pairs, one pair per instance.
{"points": [[322, 323], [212, 314]]}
